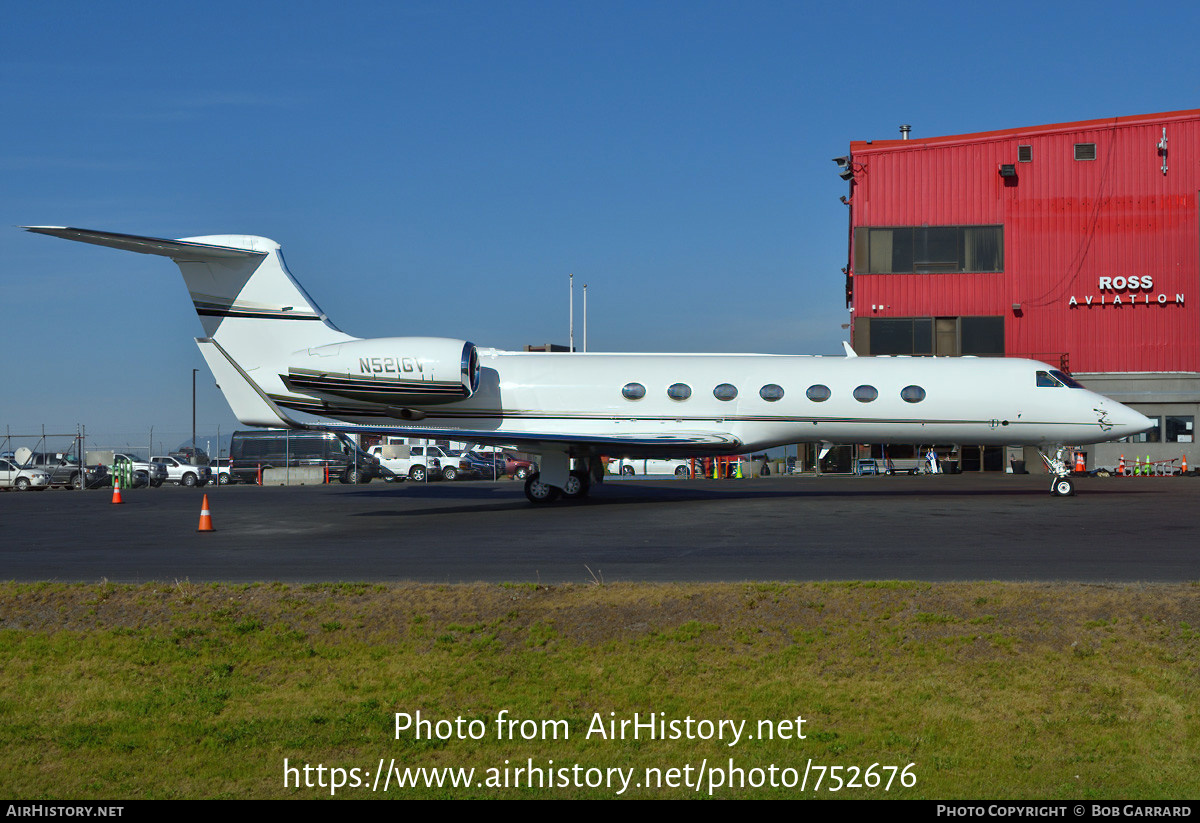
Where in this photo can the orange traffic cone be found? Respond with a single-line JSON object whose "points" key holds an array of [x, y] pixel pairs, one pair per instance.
{"points": [[205, 517], [117, 490], [1079, 468], [1121, 467], [1183, 468]]}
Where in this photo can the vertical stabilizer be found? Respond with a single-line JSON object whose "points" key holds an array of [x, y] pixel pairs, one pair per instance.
{"points": [[251, 308]]}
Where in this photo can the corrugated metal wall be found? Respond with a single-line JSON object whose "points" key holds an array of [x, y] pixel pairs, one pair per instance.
{"points": [[1067, 223]]}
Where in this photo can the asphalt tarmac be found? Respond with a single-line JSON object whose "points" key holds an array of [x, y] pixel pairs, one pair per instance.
{"points": [[945, 527]]}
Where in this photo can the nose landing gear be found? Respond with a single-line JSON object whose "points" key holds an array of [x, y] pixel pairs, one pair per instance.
{"points": [[1061, 486]]}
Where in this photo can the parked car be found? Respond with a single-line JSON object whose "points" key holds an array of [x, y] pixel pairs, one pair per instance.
{"points": [[489, 466], [21, 478], [184, 473], [408, 462], [459, 465], [250, 452], [143, 471], [513, 466], [629, 467], [221, 467], [196, 457], [64, 470]]}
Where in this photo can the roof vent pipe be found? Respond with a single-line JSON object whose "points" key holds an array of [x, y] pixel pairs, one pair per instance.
{"points": [[904, 130]]}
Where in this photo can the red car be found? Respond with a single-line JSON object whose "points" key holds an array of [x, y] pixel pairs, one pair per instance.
{"points": [[513, 466]]}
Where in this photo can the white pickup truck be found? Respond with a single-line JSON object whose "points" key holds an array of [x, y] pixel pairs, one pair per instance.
{"points": [[184, 474], [412, 462]]}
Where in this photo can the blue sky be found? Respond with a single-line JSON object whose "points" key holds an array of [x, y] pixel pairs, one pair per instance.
{"points": [[438, 168]]}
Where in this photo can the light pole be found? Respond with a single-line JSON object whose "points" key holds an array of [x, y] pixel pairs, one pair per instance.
{"points": [[193, 458]]}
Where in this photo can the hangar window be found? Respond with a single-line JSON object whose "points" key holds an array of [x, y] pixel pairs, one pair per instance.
{"points": [[1024, 154], [1085, 151], [943, 336], [928, 249], [818, 393], [633, 391], [1180, 428], [912, 394], [865, 394], [725, 391], [771, 392], [679, 391]]}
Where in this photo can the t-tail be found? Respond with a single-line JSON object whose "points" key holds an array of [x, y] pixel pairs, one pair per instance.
{"points": [[255, 315]]}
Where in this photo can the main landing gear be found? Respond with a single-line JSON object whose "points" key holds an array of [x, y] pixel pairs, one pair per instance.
{"points": [[577, 487], [1061, 486]]}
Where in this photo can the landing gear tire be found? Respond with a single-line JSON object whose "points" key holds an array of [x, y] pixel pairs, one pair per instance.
{"points": [[578, 486], [539, 492], [1062, 487]]}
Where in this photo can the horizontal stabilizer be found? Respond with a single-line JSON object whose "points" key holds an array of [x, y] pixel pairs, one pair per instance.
{"points": [[245, 398], [175, 249]]}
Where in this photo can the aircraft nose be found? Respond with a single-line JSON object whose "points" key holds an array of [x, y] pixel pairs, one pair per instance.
{"points": [[1130, 421]]}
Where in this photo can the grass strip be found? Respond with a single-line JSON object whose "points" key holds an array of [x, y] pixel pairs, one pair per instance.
{"points": [[990, 690]]}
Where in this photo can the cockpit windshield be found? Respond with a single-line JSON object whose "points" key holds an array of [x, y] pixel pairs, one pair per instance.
{"points": [[1055, 379], [1070, 381]]}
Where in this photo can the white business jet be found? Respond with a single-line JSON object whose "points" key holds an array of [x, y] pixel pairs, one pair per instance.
{"points": [[273, 351]]}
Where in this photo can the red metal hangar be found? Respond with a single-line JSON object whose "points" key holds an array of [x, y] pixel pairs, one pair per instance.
{"points": [[1076, 243]]}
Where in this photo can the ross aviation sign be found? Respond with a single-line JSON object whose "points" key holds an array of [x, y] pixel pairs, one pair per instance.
{"points": [[1127, 291]]}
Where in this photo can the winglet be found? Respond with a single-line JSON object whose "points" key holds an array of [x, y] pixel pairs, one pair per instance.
{"points": [[849, 351]]}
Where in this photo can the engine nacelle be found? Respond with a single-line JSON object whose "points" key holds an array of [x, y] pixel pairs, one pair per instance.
{"points": [[396, 371]]}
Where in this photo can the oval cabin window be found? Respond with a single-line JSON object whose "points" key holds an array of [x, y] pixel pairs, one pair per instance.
{"points": [[725, 391], [865, 394], [912, 394], [633, 391], [818, 393], [679, 391], [771, 392]]}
